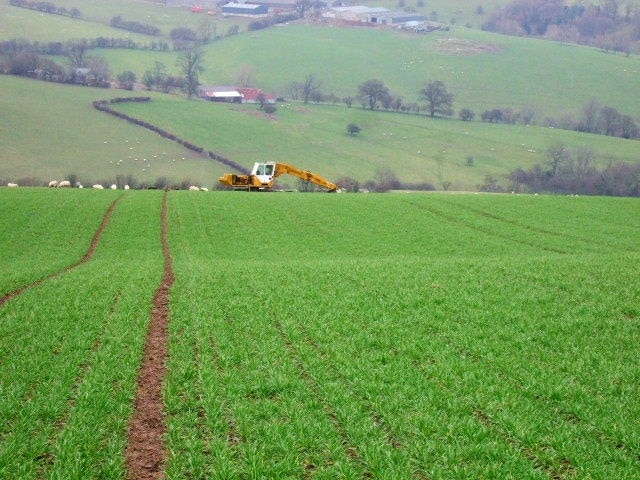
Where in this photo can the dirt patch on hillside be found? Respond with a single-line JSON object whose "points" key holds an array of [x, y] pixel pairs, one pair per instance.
{"points": [[459, 46], [146, 452], [95, 241]]}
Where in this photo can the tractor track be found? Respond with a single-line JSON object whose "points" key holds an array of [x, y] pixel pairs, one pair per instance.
{"points": [[95, 241], [146, 451]]}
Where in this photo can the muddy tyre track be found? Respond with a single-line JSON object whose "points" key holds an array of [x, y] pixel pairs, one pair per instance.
{"points": [[146, 450], [95, 241]]}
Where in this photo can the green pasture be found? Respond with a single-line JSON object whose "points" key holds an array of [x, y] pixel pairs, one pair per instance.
{"points": [[96, 17], [66, 135], [49, 131], [415, 148], [336, 336], [481, 69]]}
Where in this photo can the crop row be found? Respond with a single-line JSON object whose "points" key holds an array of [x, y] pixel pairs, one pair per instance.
{"points": [[71, 349], [311, 355], [43, 231], [327, 336]]}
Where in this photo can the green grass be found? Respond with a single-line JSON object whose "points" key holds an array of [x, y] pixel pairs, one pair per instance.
{"points": [[311, 137], [72, 347], [37, 240], [378, 336], [553, 79], [96, 17], [67, 135], [415, 148], [434, 335]]}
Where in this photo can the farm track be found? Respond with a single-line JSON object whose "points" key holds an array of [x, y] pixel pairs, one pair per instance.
{"points": [[528, 227], [95, 241], [487, 231], [146, 451]]}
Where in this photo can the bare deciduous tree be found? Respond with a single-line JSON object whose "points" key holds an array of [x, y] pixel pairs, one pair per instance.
{"points": [[191, 65]]}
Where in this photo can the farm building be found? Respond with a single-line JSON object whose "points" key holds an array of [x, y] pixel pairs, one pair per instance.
{"points": [[277, 6], [230, 94], [378, 15], [220, 93], [251, 95], [244, 9], [357, 13]]}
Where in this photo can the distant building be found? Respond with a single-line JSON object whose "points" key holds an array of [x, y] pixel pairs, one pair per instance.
{"points": [[244, 9], [377, 15], [230, 94], [251, 95], [220, 93]]}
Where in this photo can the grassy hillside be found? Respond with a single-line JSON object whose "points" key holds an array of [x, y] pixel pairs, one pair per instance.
{"points": [[53, 140], [483, 71], [415, 147], [48, 131]]}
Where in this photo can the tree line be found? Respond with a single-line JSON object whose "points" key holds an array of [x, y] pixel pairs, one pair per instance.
{"points": [[572, 171], [46, 7], [609, 24]]}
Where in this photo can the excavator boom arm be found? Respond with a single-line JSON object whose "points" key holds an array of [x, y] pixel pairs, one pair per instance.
{"points": [[282, 168]]}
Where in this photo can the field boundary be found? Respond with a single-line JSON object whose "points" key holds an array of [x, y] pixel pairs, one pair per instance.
{"points": [[102, 105], [146, 451], [95, 241]]}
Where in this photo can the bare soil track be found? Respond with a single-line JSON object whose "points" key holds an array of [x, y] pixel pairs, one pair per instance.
{"points": [[146, 451], [87, 256]]}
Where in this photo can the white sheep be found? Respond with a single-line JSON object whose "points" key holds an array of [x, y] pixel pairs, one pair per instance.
{"points": [[204, 189], [193, 188], [98, 186], [126, 187], [53, 183], [12, 185], [114, 186], [64, 183]]}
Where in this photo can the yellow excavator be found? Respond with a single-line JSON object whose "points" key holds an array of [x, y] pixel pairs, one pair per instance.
{"points": [[263, 175]]}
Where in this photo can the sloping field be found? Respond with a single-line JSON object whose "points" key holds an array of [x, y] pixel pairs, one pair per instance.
{"points": [[335, 336]]}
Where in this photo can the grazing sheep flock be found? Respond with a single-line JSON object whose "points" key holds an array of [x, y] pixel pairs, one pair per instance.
{"points": [[67, 184]]}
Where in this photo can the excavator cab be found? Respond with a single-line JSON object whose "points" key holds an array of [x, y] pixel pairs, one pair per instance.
{"points": [[264, 171]]}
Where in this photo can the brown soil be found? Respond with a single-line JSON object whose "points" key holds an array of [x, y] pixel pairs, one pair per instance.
{"points": [[87, 256], [146, 451]]}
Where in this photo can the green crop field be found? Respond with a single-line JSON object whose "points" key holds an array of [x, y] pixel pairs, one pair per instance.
{"points": [[325, 336]]}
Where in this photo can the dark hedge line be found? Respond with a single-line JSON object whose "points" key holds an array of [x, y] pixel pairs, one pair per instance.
{"points": [[46, 7], [136, 27], [103, 106]]}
